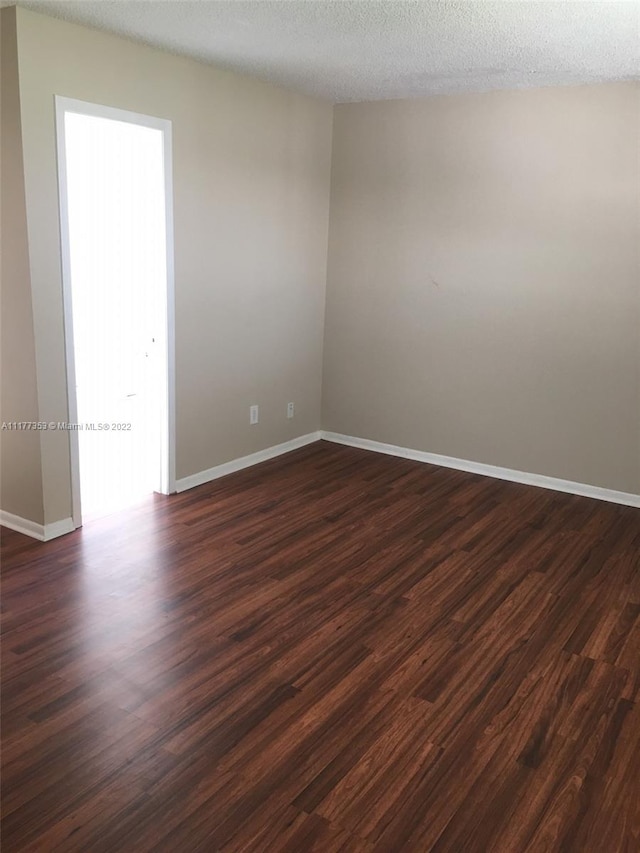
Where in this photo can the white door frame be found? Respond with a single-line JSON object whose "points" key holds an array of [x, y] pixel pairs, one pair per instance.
{"points": [[167, 478]]}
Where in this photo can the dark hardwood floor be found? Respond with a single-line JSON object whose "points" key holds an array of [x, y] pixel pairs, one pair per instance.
{"points": [[332, 651]]}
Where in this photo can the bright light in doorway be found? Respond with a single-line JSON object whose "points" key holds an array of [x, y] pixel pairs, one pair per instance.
{"points": [[116, 204]]}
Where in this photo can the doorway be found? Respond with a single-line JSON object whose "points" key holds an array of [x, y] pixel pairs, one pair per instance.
{"points": [[115, 201]]}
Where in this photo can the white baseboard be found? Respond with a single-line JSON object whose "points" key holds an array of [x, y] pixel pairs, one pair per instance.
{"points": [[42, 532], [541, 480], [245, 462], [46, 532], [58, 528], [22, 525]]}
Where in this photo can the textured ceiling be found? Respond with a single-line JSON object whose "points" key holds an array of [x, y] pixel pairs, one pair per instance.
{"points": [[377, 49]]}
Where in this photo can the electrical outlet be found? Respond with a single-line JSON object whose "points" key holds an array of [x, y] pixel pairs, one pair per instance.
{"points": [[290, 410], [254, 415]]}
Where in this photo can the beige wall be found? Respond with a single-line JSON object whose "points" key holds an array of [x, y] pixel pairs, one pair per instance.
{"points": [[483, 296], [251, 200], [483, 286], [20, 470]]}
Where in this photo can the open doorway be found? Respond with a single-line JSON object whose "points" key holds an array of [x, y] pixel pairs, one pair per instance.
{"points": [[115, 199]]}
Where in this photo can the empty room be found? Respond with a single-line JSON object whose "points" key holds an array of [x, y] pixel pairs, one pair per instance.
{"points": [[320, 446]]}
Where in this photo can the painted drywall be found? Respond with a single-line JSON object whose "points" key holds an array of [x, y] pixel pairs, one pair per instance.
{"points": [[20, 462], [483, 283], [483, 296], [251, 201]]}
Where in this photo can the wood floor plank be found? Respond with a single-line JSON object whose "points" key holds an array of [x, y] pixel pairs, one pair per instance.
{"points": [[333, 651]]}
